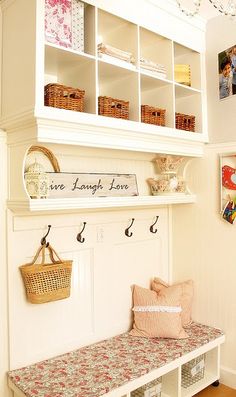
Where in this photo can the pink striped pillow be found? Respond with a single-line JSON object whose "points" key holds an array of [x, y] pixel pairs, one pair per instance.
{"points": [[186, 300], [156, 315]]}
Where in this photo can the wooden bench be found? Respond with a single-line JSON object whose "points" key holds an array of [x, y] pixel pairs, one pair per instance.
{"points": [[119, 365]]}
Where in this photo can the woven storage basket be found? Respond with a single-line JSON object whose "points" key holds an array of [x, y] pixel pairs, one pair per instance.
{"points": [[184, 122], [63, 97], [153, 115], [46, 282], [193, 371], [151, 389], [112, 107]]}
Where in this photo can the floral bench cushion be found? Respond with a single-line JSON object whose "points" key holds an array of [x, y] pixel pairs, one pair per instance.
{"points": [[96, 369]]}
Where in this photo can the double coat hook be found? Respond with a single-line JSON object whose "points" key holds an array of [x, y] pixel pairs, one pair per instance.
{"points": [[79, 237], [43, 239]]}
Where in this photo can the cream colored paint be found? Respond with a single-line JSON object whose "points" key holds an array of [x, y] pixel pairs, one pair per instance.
{"points": [[203, 249], [221, 113], [107, 268]]}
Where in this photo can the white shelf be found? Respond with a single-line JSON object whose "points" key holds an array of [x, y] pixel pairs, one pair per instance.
{"points": [[96, 203], [28, 122], [60, 126]]}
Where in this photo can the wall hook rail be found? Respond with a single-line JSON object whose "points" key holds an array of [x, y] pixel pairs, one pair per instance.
{"points": [[127, 232], [43, 239], [79, 235], [152, 230]]}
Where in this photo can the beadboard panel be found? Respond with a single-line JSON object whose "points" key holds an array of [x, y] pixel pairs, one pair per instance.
{"points": [[3, 277], [203, 251], [105, 267]]}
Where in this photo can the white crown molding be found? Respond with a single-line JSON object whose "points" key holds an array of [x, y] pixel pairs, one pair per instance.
{"points": [[47, 125]]}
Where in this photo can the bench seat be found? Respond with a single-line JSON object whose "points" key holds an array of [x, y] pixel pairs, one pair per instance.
{"points": [[98, 369]]}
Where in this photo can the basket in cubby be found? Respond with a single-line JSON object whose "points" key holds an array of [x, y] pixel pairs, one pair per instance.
{"points": [[151, 389], [185, 122], [112, 107], [64, 97], [153, 115], [193, 371]]}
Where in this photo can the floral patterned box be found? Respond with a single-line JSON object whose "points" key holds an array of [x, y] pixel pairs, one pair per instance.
{"points": [[64, 23]]}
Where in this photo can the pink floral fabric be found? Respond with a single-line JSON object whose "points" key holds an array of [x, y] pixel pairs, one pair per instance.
{"points": [[58, 20], [99, 368]]}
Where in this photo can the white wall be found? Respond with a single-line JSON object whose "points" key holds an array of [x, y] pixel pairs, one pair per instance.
{"points": [[3, 267], [204, 242], [100, 300], [220, 35], [105, 267]]}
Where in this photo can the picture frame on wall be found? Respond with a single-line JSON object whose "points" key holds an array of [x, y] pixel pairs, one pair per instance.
{"points": [[227, 72], [228, 186]]}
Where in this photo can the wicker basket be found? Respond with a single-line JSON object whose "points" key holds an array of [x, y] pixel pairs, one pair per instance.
{"points": [[112, 107], [47, 282], [48, 154], [151, 389], [184, 122], [153, 115], [193, 371], [63, 97]]}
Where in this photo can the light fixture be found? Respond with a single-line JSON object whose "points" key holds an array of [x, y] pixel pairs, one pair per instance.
{"points": [[228, 9]]}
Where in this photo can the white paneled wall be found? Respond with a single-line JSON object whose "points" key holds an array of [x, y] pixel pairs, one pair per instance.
{"points": [[203, 249], [104, 268], [3, 267]]}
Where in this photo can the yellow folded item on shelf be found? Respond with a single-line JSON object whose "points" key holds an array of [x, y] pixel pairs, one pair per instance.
{"points": [[183, 74]]}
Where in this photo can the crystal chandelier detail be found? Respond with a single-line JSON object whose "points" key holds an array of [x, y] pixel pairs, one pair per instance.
{"points": [[229, 9]]}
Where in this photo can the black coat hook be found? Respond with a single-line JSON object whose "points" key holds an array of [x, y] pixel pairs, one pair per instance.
{"points": [[43, 239], [79, 235], [127, 233], [152, 230]]}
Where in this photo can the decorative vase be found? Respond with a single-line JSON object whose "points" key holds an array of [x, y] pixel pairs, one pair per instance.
{"points": [[168, 182], [168, 163]]}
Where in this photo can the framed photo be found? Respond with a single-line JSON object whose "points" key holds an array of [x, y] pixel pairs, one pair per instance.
{"points": [[227, 72]]}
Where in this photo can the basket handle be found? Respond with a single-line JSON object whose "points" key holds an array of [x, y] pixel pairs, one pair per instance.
{"points": [[41, 251], [48, 154], [116, 105], [70, 94], [157, 114], [52, 252]]}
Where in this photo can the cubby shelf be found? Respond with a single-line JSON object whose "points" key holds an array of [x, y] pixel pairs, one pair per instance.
{"points": [[28, 122]]}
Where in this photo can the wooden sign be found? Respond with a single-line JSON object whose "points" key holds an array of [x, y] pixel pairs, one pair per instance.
{"points": [[67, 185]]}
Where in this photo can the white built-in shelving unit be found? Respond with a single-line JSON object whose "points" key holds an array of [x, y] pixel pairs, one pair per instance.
{"points": [[28, 122]]}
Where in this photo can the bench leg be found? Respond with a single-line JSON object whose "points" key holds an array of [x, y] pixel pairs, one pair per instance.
{"points": [[216, 383]]}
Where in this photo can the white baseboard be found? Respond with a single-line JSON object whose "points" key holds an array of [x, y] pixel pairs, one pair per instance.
{"points": [[228, 377]]}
